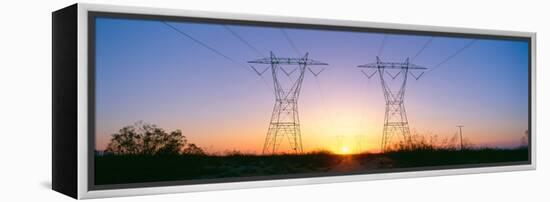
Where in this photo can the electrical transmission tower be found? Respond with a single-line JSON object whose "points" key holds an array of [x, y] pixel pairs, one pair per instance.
{"points": [[285, 122], [393, 77]]}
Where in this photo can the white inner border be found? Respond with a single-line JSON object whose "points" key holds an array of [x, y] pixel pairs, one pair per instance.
{"points": [[82, 105]]}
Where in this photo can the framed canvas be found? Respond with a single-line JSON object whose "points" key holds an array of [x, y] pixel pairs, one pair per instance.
{"points": [[150, 101]]}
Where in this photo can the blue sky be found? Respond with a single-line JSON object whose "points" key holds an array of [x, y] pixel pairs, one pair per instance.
{"points": [[147, 71]]}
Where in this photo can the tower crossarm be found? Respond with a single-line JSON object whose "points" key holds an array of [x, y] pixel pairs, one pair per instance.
{"points": [[287, 61], [392, 65]]}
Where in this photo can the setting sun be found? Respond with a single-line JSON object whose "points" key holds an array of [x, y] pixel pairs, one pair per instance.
{"points": [[344, 150]]}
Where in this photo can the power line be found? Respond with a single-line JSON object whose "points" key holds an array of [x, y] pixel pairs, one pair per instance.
{"points": [[216, 51], [382, 45], [203, 44], [291, 43], [423, 48], [259, 73], [243, 40], [453, 55]]}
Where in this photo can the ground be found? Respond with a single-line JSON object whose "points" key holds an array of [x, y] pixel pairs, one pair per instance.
{"points": [[120, 169]]}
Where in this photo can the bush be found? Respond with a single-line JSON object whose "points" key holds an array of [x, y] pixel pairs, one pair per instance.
{"points": [[148, 139]]}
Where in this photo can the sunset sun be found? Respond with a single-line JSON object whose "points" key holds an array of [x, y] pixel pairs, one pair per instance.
{"points": [[344, 150]]}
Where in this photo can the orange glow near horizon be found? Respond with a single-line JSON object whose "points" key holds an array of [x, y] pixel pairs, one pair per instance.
{"points": [[350, 141]]}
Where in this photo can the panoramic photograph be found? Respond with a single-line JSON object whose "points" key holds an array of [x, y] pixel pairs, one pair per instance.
{"points": [[200, 101]]}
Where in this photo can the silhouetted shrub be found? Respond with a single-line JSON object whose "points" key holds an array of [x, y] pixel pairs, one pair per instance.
{"points": [[148, 139]]}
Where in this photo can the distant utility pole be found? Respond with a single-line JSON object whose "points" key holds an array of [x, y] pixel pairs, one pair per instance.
{"points": [[460, 129], [285, 123]]}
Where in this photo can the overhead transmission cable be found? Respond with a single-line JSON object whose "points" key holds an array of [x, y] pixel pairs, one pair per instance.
{"points": [[382, 45], [291, 43], [213, 50], [201, 43], [453, 55], [422, 49], [249, 45], [236, 35]]}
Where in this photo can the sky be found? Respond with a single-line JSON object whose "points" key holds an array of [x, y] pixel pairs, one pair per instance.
{"points": [[146, 71]]}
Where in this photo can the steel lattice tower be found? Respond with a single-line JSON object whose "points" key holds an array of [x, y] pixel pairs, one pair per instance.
{"points": [[395, 119], [285, 121]]}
